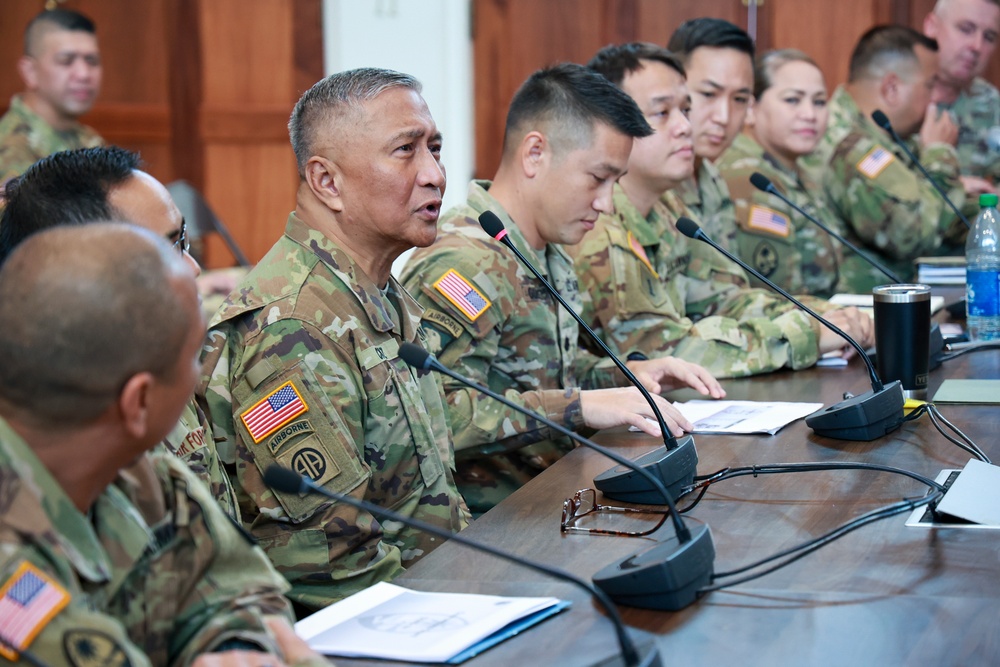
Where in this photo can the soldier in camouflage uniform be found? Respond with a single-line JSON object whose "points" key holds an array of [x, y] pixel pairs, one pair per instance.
{"points": [[966, 32], [108, 554], [302, 366], [74, 187], [639, 273], [790, 117], [869, 182], [61, 69], [567, 139]]}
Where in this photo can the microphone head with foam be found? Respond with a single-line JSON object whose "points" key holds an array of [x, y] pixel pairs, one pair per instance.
{"points": [[415, 356], [882, 120], [761, 182], [284, 480], [688, 227], [492, 225]]}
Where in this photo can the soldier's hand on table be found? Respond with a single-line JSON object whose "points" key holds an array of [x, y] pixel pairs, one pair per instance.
{"points": [[607, 408], [854, 323], [668, 373]]}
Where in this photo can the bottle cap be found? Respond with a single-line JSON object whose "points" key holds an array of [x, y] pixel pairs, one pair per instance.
{"points": [[987, 200]]}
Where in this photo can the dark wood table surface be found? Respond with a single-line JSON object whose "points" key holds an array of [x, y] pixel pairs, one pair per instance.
{"points": [[885, 594]]}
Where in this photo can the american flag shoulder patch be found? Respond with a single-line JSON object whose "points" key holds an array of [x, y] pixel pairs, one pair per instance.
{"points": [[877, 159], [640, 252], [462, 294], [273, 411], [28, 601], [764, 219]]}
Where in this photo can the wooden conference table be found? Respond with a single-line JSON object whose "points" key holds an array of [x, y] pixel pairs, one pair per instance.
{"points": [[885, 594]]}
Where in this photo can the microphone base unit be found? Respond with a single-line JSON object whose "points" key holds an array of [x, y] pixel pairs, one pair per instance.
{"points": [[676, 468], [866, 417], [667, 576]]}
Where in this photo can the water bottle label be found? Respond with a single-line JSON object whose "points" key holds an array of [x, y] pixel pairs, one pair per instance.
{"points": [[982, 293]]}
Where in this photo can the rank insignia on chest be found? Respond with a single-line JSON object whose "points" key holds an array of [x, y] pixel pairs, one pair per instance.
{"points": [[273, 411], [764, 219], [28, 601], [460, 292], [640, 252], [877, 159]]}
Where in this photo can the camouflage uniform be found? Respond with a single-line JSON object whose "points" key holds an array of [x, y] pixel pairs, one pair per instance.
{"points": [[308, 333], [191, 441], [521, 344], [976, 112], [886, 204], [25, 138], [637, 273], [773, 237], [154, 573]]}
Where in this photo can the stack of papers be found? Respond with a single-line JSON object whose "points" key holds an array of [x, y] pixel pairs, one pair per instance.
{"points": [[741, 417], [393, 623], [941, 270]]}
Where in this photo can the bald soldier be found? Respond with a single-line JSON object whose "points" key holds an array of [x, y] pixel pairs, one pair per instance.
{"points": [[886, 203], [80, 186], [61, 70], [568, 136], [303, 365], [966, 32], [110, 554]]}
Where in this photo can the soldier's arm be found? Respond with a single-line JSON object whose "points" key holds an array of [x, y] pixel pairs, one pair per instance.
{"points": [[326, 550]]}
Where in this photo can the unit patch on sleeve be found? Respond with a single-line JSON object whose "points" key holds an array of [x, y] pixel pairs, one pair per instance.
{"points": [[273, 411], [28, 601], [875, 162], [462, 294]]}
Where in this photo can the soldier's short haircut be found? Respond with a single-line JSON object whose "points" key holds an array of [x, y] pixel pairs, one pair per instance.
{"points": [[883, 48], [710, 32], [565, 102], [617, 61], [55, 19], [769, 63], [940, 5], [84, 309], [65, 188], [331, 98]]}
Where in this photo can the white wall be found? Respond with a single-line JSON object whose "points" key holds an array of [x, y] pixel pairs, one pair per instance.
{"points": [[429, 39]]}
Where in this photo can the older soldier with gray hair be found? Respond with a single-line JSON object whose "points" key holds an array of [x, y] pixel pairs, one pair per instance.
{"points": [[110, 554], [302, 367]]}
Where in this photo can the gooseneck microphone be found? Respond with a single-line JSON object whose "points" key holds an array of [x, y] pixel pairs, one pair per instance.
{"points": [[288, 481], [493, 226], [667, 579], [764, 184], [866, 417], [883, 121]]}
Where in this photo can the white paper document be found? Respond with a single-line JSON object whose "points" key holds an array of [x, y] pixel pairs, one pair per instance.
{"points": [[866, 302], [394, 623], [743, 417]]}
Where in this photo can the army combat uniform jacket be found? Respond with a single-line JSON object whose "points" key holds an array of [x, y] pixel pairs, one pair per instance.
{"points": [[772, 236], [637, 274], [976, 112], [886, 203], [491, 320], [153, 574], [25, 138], [302, 369]]}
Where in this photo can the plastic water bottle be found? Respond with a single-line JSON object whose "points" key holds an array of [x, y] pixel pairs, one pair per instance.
{"points": [[982, 272]]}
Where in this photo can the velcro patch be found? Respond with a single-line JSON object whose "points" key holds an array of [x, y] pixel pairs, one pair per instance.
{"points": [[640, 252], [310, 460], [89, 648], [290, 432], [875, 162], [28, 601], [767, 220], [273, 411], [444, 321], [460, 292]]}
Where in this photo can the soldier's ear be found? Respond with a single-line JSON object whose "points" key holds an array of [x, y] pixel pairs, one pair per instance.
{"points": [[26, 67], [890, 88], [324, 179], [535, 153], [134, 404]]}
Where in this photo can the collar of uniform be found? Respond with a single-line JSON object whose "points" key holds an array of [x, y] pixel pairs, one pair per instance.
{"points": [[37, 123], [846, 112], [649, 230], [693, 192], [747, 146], [377, 307], [54, 519], [480, 200]]}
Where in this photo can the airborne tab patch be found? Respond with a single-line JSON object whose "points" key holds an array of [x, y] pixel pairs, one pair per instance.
{"points": [[273, 411], [875, 162], [462, 294], [764, 219], [28, 601]]}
